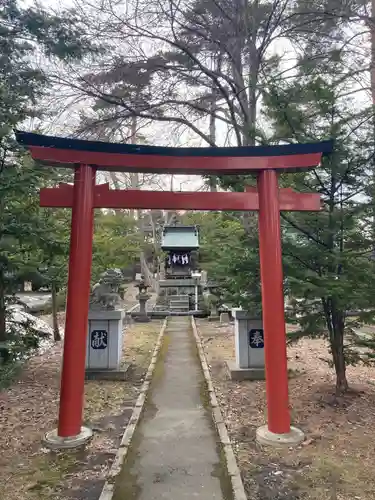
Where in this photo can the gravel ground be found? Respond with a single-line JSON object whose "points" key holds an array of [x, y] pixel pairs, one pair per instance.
{"points": [[29, 408], [335, 462]]}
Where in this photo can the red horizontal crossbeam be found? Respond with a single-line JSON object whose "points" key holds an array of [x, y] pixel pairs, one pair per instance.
{"points": [[199, 165], [104, 197]]}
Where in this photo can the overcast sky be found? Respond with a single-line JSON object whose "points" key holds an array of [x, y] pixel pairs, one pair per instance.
{"points": [[159, 134]]}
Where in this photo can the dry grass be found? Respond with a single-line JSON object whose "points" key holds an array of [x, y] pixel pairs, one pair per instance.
{"points": [[29, 409], [335, 462]]}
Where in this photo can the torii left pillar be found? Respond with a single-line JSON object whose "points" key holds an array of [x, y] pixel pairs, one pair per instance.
{"points": [[70, 433]]}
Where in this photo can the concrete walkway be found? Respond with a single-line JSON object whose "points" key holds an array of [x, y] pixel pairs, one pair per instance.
{"points": [[174, 453]]}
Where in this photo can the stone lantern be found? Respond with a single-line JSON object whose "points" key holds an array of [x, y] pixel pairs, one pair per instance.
{"points": [[213, 301], [143, 297]]}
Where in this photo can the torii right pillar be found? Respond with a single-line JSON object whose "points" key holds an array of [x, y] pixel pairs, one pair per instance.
{"points": [[278, 431]]}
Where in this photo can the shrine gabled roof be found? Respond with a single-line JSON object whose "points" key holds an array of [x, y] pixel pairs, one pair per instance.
{"points": [[180, 237], [143, 158]]}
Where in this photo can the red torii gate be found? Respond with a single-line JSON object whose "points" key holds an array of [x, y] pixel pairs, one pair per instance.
{"points": [[86, 157]]}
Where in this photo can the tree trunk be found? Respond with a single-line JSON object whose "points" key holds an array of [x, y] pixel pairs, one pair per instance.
{"points": [[134, 176], [149, 278], [212, 182], [334, 314], [254, 62], [3, 335], [337, 346], [335, 321], [371, 25], [136, 214], [156, 259], [55, 323]]}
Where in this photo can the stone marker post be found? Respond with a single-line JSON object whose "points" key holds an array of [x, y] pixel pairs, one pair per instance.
{"points": [[249, 347], [104, 343], [105, 330]]}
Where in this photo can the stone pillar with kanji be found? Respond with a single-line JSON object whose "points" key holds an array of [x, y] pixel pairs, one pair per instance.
{"points": [[104, 354], [249, 347]]}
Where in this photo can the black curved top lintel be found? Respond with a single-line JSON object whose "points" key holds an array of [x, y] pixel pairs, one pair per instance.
{"points": [[29, 139]]}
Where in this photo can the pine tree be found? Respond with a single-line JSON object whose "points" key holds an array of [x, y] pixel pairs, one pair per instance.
{"points": [[327, 254], [22, 32]]}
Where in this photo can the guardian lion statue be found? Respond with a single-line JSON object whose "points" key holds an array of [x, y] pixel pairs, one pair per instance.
{"points": [[105, 293]]}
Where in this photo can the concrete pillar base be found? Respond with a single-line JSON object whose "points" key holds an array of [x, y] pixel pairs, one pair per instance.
{"points": [[112, 375], [268, 438], [54, 442], [224, 317], [236, 373], [141, 318]]}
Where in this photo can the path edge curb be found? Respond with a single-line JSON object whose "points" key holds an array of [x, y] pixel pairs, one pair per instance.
{"points": [[109, 485], [238, 488]]}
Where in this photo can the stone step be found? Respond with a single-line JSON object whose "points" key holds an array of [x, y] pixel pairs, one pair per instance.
{"points": [[179, 303], [178, 321], [179, 314], [179, 308]]}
